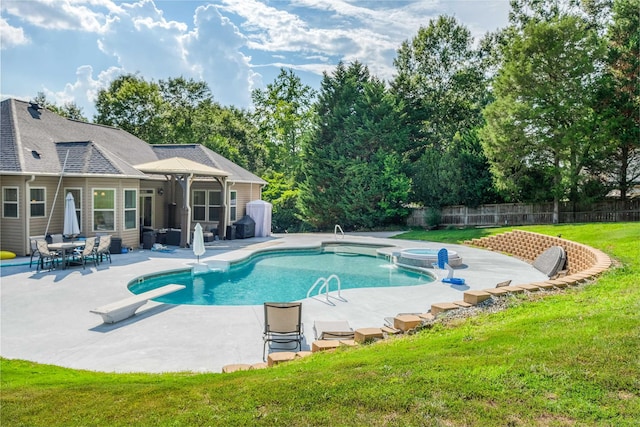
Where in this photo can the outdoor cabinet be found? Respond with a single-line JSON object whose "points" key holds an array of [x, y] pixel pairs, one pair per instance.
{"points": [[116, 245], [148, 239]]}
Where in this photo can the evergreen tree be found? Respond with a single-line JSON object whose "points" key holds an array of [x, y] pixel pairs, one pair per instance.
{"points": [[352, 173]]}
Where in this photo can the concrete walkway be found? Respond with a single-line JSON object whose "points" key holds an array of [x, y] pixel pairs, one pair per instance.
{"points": [[45, 316]]}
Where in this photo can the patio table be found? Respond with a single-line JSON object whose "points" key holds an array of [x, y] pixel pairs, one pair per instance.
{"points": [[65, 248]]}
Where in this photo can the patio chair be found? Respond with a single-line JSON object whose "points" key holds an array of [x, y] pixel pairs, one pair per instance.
{"points": [[89, 252], [104, 248], [46, 256], [57, 238], [33, 240], [282, 324], [333, 330]]}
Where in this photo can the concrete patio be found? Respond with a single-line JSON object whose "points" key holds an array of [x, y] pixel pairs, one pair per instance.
{"points": [[45, 316]]}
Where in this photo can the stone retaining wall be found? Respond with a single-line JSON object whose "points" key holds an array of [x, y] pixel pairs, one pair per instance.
{"points": [[527, 246]]}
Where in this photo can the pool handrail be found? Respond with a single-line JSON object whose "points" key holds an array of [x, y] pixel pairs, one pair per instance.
{"points": [[335, 231], [325, 287]]}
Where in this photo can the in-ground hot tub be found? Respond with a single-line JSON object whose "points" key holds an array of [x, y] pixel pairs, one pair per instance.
{"points": [[426, 257]]}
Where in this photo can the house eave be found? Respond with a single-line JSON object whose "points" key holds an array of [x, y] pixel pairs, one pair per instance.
{"points": [[72, 175]]}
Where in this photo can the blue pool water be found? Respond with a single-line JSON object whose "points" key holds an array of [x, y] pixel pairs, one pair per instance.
{"points": [[279, 277]]}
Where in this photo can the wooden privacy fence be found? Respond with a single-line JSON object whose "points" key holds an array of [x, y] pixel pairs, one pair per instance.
{"points": [[524, 214]]}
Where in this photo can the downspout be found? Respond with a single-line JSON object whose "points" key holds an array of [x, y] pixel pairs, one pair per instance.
{"points": [[27, 218]]}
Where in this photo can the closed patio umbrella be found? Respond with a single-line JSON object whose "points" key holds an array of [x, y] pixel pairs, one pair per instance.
{"points": [[71, 227], [198, 242]]}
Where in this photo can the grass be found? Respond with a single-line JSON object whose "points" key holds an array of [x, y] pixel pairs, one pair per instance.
{"points": [[565, 359]]}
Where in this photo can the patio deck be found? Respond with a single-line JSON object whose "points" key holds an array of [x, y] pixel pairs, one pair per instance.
{"points": [[45, 316]]}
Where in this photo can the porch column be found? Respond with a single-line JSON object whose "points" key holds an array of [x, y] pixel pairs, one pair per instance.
{"points": [[223, 216]]}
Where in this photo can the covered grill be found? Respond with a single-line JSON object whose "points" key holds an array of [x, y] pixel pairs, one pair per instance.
{"points": [[245, 227]]}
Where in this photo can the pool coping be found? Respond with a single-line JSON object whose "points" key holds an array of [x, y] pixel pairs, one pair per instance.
{"points": [[45, 316]]}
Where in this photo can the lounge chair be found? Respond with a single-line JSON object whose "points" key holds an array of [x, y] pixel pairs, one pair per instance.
{"points": [[332, 330], [282, 324], [503, 284], [46, 255]]}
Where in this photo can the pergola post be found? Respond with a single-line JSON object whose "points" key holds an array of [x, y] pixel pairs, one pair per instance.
{"points": [[185, 220]]}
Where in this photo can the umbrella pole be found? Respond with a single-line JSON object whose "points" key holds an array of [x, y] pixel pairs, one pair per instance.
{"points": [[64, 165]]}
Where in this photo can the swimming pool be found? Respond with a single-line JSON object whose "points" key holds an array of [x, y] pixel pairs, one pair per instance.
{"points": [[279, 276]]}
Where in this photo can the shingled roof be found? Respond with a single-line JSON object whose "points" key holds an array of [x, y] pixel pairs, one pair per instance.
{"points": [[201, 154], [35, 140]]}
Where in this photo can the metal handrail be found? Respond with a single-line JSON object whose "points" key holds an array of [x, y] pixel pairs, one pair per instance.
{"points": [[320, 279], [324, 287], [335, 231]]}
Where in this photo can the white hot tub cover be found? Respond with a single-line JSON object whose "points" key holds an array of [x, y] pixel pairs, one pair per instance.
{"points": [[260, 212]]}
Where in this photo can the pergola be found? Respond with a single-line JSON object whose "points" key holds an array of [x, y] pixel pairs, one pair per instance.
{"points": [[184, 170]]}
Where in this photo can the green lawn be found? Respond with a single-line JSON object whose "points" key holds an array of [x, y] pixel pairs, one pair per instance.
{"points": [[566, 359]]}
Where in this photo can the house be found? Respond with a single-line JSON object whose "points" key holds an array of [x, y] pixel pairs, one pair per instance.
{"points": [[121, 184]]}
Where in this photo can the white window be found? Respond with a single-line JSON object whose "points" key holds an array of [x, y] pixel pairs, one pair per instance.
{"points": [[104, 209], [215, 205], [233, 204], [206, 205], [10, 202], [130, 209], [37, 201], [199, 202], [77, 200]]}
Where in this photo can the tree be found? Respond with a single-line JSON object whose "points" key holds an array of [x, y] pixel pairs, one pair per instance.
{"points": [[283, 194], [284, 115], [185, 104], [542, 117], [351, 170], [70, 110], [134, 105], [441, 89], [618, 100], [180, 111], [440, 84]]}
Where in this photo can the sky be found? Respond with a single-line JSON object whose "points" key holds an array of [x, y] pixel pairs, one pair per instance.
{"points": [[70, 49]]}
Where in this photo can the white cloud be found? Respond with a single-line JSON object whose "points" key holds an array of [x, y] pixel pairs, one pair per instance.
{"points": [[222, 42], [214, 50], [143, 41], [59, 14], [11, 36], [334, 30], [84, 90]]}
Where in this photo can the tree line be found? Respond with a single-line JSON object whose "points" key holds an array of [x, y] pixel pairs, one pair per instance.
{"points": [[546, 109]]}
